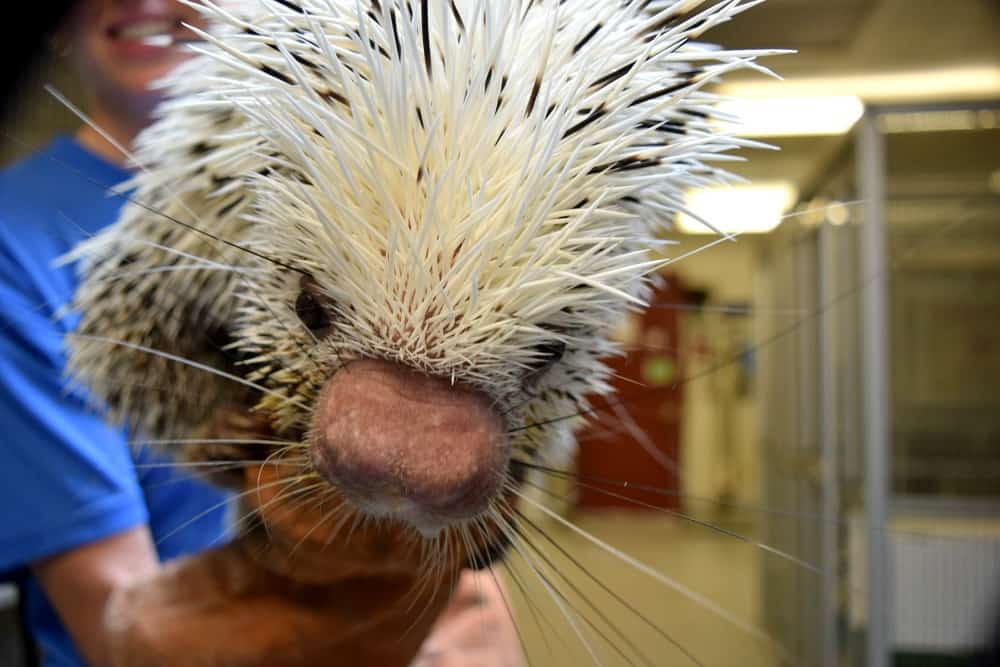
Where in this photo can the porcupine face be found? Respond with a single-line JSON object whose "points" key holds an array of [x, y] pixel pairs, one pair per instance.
{"points": [[449, 207]]}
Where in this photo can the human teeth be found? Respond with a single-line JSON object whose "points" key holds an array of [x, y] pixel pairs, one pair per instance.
{"points": [[158, 40], [146, 29]]}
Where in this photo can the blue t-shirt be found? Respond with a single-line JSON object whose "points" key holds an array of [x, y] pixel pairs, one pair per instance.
{"points": [[66, 478]]}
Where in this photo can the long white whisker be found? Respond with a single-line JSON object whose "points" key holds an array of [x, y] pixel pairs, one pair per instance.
{"points": [[192, 364], [567, 614], [533, 609], [197, 464], [567, 582], [508, 608], [213, 508], [211, 441], [179, 268], [661, 578], [641, 437], [621, 600], [815, 569]]}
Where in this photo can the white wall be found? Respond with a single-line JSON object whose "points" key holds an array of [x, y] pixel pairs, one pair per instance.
{"points": [[719, 447]]}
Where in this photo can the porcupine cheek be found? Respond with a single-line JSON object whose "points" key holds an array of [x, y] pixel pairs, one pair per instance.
{"points": [[396, 441]]}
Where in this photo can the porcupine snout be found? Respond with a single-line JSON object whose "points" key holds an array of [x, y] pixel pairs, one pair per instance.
{"points": [[396, 441]]}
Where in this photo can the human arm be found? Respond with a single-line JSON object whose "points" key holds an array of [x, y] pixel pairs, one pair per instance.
{"points": [[476, 629], [67, 480], [80, 581]]}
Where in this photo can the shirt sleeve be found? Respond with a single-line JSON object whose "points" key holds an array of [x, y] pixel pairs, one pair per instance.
{"points": [[66, 478]]}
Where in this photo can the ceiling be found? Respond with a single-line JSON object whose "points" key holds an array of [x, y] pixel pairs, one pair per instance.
{"points": [[845, 41], [840, 37]]}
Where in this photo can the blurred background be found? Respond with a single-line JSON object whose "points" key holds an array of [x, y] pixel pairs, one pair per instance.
{"points": [[811, 425]]}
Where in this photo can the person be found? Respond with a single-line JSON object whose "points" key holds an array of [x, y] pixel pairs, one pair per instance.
{"points": [[85, 513]]}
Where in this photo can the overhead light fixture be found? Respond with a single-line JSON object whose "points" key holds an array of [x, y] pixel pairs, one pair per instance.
{"points": [[951, 84], [737, 209], [799, 116], [907, 122], [994, 180], [837, 213]]}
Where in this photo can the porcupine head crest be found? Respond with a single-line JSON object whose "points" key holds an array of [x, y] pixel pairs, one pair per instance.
{"points": [[463, 191]]}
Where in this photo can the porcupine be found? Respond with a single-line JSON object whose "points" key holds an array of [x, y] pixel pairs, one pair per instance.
{"points": [[399, 235]]}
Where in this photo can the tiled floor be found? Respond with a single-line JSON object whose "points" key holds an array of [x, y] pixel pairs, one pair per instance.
{"points": [[720, 570]]}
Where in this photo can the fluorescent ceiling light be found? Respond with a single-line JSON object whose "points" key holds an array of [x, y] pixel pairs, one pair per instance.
{"points": [[939, 121], [801, 116], [957, 83], [738, 209]]}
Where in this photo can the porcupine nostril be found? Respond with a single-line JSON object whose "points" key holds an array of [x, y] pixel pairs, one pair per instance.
{"points": [[392, 438]]}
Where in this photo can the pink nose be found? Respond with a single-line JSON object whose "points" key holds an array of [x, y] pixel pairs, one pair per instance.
{"points": [[383, 433]]}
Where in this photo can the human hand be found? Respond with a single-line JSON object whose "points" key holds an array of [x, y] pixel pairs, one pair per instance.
{"points": [[476, 628]]}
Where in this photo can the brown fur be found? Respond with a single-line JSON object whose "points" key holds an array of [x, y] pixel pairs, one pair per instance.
{"points": [[284, 593], [225, 608]]}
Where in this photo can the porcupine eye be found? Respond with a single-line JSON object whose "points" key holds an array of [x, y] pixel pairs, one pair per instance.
{"points": [[311, 308], [547, 355]]}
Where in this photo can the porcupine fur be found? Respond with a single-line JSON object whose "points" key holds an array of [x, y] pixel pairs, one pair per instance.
{"points": [[466, 188]]}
